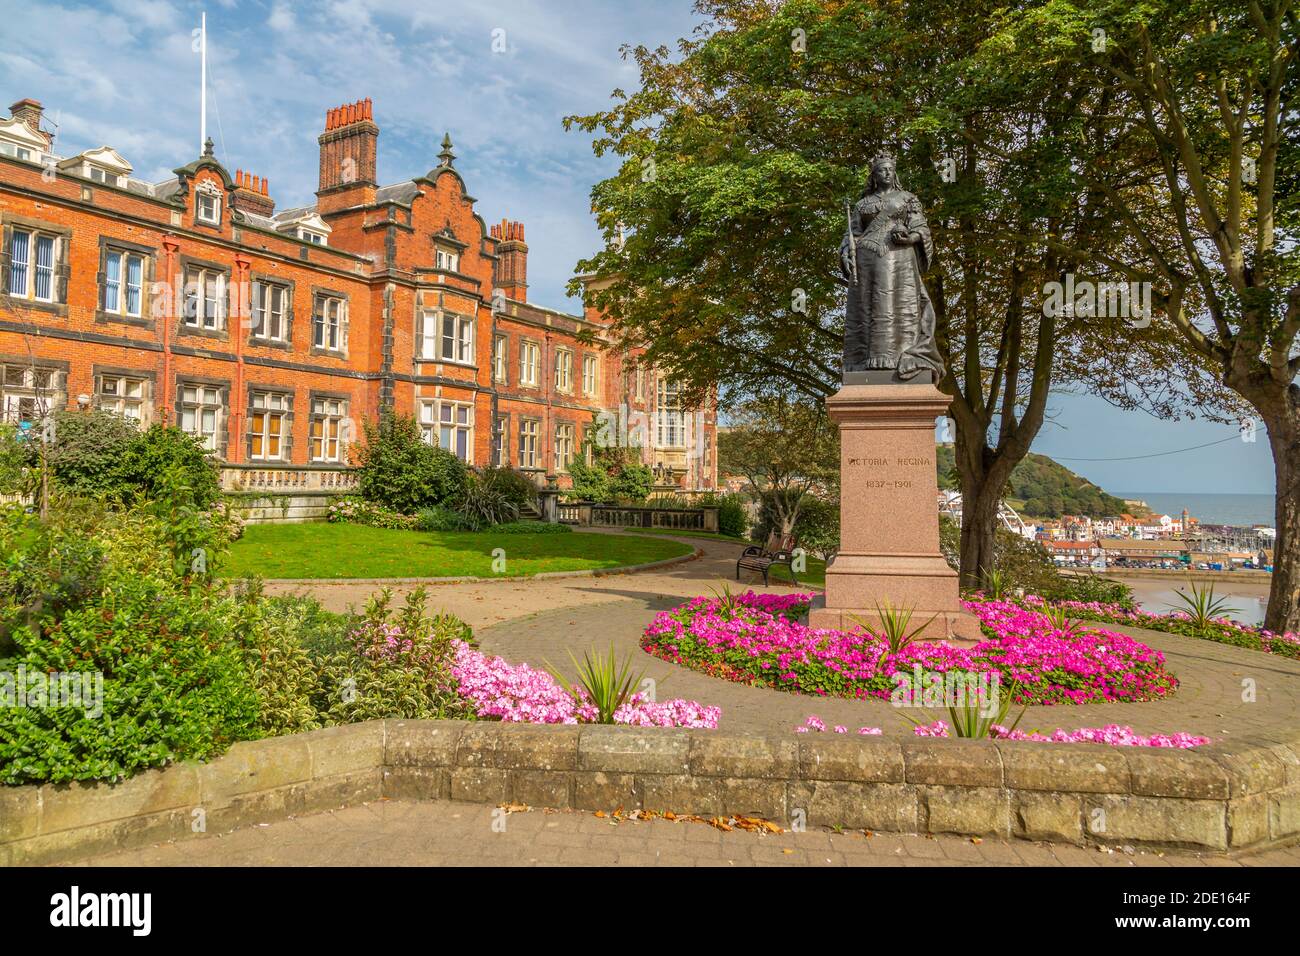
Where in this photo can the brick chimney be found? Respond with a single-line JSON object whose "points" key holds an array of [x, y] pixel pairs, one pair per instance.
{"points": [[252, 194], [29, 111], [512, 260], [348, 150]]}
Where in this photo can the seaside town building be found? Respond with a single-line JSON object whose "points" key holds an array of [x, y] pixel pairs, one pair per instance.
{"points": [[271, 334]]}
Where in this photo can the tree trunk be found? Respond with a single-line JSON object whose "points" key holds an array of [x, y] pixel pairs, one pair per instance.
{"points": [[1283, 613]]}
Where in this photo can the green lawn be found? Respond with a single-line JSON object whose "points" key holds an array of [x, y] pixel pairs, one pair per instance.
{"points": [[324, 550]]}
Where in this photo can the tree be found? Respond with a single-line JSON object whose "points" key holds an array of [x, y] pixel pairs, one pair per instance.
{"points": [[1198, 99], [786, 447], [738, 155]]}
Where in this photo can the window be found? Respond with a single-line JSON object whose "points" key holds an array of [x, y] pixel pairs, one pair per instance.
{"points": [[32, 259], [670, 419], [450, 425], [122, 395], [315, 238], [564, 438], [563, 370], [329, 323], [268, 426], [500, 352], [201, 414], [207, 207], [123, 283], [638, 376], [529, 428], [327, 438], [457, 338], [100, 175], [28, 393], [499, 426], [269, 302], [13, 149], [529, 364], [589, 375], [205, 299], [446, 259]]}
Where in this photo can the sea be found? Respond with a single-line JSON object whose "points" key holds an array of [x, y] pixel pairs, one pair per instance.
{"points": [[1208, 508]]}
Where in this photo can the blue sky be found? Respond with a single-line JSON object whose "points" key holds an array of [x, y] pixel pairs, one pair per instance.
{"points": [[123, 73]]}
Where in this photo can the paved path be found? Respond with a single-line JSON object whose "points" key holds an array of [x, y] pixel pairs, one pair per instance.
{"points": [[396, 833]]}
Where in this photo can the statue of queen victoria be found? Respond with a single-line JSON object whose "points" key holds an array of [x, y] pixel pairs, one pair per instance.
{"points": [[889, 324]]}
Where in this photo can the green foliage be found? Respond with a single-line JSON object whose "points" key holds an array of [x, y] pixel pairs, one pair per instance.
{"points": [[489, 499], [602, 682], [615, 475], [359, 511], [893, 625], [817, 525], [281, 668], [399, 666], [398, 469], [514, 484], [733, 514], [441, 519], [94, 591], [165, 449], [13, 460], [89, 451]]}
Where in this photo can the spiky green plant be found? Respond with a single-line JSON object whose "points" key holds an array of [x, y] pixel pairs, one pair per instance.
{"points": [[1202, 606], [995, 584], [893, 625], [970, 721], [728, 603], [602, 681], [1060, 619]]}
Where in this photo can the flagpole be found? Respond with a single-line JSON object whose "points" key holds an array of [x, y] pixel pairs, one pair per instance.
{"points": [[203, 83]]}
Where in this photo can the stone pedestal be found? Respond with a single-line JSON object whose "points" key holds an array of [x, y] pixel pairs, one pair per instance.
{"points": [[889, 514]]}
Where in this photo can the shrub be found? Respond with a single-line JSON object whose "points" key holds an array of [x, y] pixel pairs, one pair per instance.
{"points": [[400, 470], [733, 515], [399, 666], [514, 484], [283, 673], [165, 649], [360, 511], [441, 519], [91, 453], [817, 525], [485, 502], [161, 449]]}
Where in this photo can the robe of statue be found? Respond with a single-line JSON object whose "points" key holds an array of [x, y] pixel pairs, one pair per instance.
{"points": [[890, 319]]}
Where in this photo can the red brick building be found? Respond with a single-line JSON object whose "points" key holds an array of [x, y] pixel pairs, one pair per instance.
{"points": [[272, 334]]}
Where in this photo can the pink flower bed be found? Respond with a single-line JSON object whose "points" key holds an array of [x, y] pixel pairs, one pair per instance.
{"points": [[754, 642], [1223, 630], [1112, 734], [518, 693]]}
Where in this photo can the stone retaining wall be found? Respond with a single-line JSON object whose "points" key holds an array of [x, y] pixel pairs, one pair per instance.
{"points": [[1224, 797]]}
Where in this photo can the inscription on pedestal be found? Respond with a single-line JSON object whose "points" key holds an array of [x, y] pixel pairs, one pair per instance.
{"points": [[879, 462]]}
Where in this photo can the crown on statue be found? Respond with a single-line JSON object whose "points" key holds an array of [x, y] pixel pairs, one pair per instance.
{"points": [[883, 158]]}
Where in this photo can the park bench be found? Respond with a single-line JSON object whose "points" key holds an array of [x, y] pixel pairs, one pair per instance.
{"points": [[778, 550]]}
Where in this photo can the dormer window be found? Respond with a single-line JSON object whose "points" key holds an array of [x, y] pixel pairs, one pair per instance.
{"points": [[208, 208], [315, 238], [17, 152], [101, 175], [447, 259]]}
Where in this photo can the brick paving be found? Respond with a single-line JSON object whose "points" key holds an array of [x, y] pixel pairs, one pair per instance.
{"points": [[440, 833]]}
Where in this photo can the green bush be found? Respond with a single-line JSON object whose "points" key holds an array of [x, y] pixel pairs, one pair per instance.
{"points": [[485, 502], [283, 673], [400, 666], [817, 526], [160, 449], [733, 515], [96, 593], [90, 451], [514, 484], [441, 519], [359, 511], [401, 471]]}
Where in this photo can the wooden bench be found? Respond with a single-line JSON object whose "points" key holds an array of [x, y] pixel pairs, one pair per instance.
{"points": [[778, 550]]}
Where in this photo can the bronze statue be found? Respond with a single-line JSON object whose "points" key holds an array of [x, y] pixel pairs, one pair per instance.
{"points": [[889, 324]]}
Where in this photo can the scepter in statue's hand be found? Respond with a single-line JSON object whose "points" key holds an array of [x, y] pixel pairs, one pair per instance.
{"points": [[852, 241]]}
